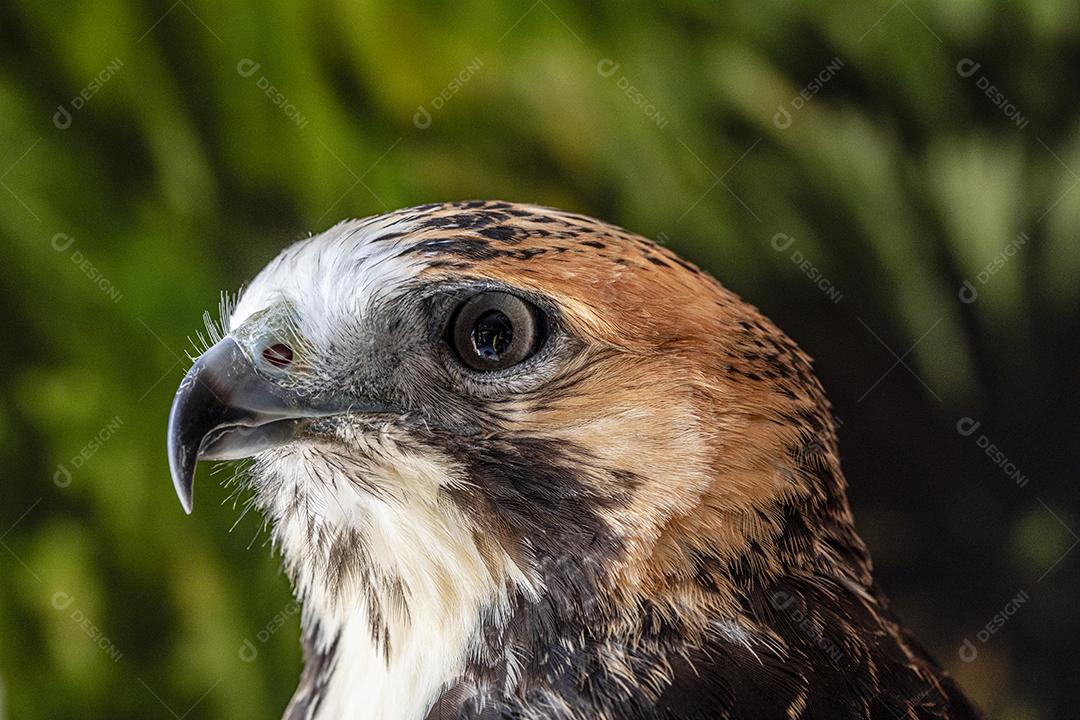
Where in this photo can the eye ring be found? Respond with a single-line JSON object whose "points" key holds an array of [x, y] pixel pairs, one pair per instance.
{"points": [[493, 331]]}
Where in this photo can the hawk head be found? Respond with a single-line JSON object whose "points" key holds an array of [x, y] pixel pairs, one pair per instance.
{"points": [[514, 457]]}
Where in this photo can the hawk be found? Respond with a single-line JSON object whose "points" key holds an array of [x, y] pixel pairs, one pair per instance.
{"points": [[520, 463]]}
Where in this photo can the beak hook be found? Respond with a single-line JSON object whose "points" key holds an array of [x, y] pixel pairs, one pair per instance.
{"points": [[225, 410]]}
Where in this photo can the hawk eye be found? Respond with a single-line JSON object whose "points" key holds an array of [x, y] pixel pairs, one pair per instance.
{"points": [[493, 331]]}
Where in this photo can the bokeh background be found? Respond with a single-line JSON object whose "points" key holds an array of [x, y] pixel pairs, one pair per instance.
{"points": [[894, 182]]}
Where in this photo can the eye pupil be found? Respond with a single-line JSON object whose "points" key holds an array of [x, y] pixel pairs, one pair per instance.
{"points": [[492, 335], [493, 331]]}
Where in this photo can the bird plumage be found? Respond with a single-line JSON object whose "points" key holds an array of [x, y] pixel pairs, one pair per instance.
{"points": [[644, 518]]}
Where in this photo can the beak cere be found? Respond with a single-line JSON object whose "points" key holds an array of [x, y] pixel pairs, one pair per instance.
{"points": [[225, 409]]}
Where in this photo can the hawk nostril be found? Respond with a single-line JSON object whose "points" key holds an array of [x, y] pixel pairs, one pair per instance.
{"points": [[279, 354]]}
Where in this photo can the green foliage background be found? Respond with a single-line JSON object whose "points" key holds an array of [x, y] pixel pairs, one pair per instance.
{"points": [[180, 176]]}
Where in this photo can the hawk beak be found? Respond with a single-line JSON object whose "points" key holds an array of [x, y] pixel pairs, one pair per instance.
{"points": [[225, 409]]}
